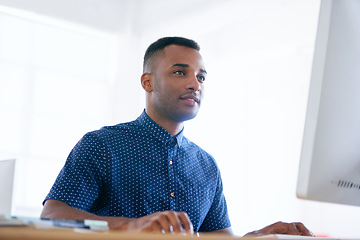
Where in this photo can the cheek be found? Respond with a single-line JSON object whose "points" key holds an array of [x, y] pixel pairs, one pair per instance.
{"points": [[202, 91], [169, 90], [164, 94]]}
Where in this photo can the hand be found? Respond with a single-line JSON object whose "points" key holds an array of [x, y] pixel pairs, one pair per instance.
{"points": [[162, 222], [295, 228]]}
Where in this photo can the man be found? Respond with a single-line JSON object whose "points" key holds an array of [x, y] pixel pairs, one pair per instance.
{"points": [[145, 175]]}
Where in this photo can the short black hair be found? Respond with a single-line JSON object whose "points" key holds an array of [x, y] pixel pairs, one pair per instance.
{"points": [[161, 43]]}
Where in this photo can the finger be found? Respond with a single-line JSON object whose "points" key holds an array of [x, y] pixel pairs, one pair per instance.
{"points": [[303, 230], [164, 223], [292, 229], [185, 221], [280, 228], [174, 221], [153, 226]]}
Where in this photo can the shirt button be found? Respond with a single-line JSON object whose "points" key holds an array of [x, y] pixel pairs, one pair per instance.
{"points": [[172, 194], [170, 162]]}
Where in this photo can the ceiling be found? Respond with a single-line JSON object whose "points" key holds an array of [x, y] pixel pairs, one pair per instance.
{"points": [[109, 15]]}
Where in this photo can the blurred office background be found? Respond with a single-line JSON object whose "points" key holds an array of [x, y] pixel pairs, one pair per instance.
{"points": [[71, 66]]}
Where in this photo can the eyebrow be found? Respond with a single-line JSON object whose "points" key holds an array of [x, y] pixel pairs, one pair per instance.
{"points": [[186, 66]]}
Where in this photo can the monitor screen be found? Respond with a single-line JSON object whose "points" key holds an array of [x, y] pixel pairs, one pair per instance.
{"points": [[330, 157], [7, 169]]}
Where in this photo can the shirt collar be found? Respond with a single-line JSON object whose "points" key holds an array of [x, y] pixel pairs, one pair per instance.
{"points": [[157, 131]]}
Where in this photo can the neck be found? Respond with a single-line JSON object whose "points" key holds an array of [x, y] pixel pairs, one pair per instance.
{"points": [[171, 126]]}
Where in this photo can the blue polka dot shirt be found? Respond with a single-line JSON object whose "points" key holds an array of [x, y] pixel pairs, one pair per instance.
{"points": [[137, 168]]}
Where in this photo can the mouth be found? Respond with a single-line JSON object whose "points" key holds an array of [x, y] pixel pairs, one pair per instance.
{"points": [[191, 98]]}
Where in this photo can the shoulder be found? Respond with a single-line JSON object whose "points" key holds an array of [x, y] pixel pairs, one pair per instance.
{"points": [[99, 144], [203, 156], [101, 141], [109, 132], [191, 146]]}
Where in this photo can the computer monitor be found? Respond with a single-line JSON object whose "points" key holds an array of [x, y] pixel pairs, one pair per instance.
{"points": [[7, 170], [330, 158]]}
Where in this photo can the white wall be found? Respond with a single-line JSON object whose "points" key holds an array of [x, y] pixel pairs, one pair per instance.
{"points": [[258, 54]]}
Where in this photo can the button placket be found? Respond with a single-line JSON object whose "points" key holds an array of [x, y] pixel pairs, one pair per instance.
{"points": [[171, 161]]}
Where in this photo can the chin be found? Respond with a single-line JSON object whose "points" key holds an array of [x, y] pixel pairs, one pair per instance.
{"points": [[186, 116]]}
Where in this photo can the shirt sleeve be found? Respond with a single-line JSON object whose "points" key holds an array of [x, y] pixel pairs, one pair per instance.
{"points": [[79, 182], [217, 217]]}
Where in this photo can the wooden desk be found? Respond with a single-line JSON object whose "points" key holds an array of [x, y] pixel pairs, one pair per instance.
{"points": [[30, 233]]}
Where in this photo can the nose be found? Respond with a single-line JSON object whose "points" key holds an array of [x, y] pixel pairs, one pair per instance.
{"points": [[193, 83]]}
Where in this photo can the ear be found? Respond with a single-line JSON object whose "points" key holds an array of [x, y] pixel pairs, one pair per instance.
{"points": [[146, 82]]}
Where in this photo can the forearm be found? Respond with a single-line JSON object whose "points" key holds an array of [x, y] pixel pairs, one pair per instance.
{"points": [[61, 210], [166, 221]]}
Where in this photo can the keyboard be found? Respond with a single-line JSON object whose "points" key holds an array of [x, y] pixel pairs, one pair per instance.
{"points": [[294, 237]]}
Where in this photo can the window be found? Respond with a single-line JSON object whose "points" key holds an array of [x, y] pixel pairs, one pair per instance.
{"points": [[55, 85]]}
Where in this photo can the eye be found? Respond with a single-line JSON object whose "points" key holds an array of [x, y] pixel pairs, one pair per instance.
{"points": [[179, 72], [201, 78]]}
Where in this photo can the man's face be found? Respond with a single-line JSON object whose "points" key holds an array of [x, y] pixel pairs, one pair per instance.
{"points": [[178, 81]]}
